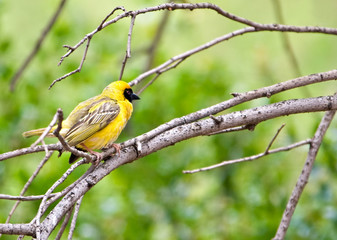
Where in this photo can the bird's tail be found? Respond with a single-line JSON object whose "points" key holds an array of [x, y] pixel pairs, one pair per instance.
{"points": [[35, 132]]}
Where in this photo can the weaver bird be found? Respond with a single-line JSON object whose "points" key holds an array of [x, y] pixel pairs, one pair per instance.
{"points": [[97, 122]]}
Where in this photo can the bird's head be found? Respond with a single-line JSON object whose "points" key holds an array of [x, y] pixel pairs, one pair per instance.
{"points": [[120, 90]]}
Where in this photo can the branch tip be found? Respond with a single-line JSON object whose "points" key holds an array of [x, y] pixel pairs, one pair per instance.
{"points": [[217, 120], [69, 47], [235, 94]]}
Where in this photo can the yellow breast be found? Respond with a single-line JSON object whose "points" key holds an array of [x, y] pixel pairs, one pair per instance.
{"points": [[110, 133]]}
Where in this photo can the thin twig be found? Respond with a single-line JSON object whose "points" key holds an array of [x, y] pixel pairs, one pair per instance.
{"points": [[176, 60], [79, 67], [128, 47], [305, 173], [286, 40], [251, 158], [273, 139], [24, 198], [151, 51], [109, 15], [28, 183], [170, 64], [290, 52], [65, 145], [159, 72], [99, 28], [46, 150], [29, 150], [71, 186], [58, 182], [253, 27], [37, 46], [46, 131], [74, 219], [148, 84], [250, 127], [20, 237], [64, 224], [43, 206]]}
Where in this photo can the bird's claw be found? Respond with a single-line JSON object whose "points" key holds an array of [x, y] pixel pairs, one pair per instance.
{"points": [[117, 147], [99, 157]]}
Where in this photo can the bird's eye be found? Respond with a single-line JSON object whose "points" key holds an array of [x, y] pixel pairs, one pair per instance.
{"points": [[128, 93]]}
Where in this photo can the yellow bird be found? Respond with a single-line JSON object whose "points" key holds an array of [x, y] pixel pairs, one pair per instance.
{"points": [[97, 122]]}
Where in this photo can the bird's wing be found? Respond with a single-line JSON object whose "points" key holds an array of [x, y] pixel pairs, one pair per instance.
{"points": [[98, 116]]}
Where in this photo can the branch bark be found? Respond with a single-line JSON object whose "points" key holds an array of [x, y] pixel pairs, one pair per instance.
{"points": [[181, 129], [200, 123], [18, 229], [177, 134], [304, 177]]}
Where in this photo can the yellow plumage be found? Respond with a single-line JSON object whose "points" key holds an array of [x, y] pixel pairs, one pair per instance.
{"points": [[97, 122]]}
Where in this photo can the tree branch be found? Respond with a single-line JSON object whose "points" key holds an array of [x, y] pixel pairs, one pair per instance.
{"points": [[44, 204], [18, 229], [200, 123], [29, 150], [99, 28], [56, 132], [128, 47], [217, 108], [64, 224], [37, 46], [273, 139], [88, 39], [28, 183], [171, 137], [252, 27], [180, 133], [73, 221], [305, 173], [238, 99], [154, 45], [251, 158], [23, 198], [286, 41]]}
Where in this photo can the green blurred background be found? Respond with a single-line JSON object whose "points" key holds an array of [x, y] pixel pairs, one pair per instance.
{"points": [[151, 198]]}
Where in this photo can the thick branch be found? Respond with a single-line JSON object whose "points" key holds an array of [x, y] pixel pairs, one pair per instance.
{"points": [[238, 99], [180, 133], [18, 229]]}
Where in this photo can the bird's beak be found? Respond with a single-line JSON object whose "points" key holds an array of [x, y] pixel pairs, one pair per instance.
{"points": [[134, 97]]}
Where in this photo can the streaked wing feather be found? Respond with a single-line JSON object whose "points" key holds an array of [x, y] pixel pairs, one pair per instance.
{"points": [[97, 118]]}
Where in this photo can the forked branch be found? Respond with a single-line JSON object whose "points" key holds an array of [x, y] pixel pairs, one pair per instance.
{"points": [[176, 60]]}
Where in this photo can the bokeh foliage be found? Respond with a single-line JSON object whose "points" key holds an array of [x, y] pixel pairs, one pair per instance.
{"points": [[151, 198]]}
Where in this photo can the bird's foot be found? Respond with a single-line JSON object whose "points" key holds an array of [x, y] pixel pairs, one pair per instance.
{"points": [[99, 156], [114, 145], [117, 147]]}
